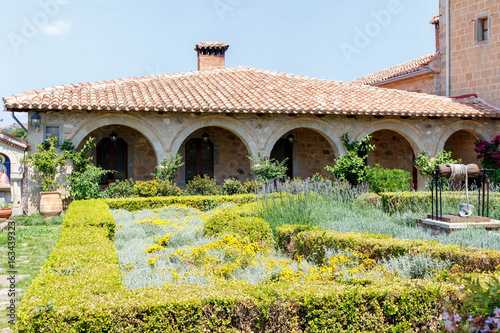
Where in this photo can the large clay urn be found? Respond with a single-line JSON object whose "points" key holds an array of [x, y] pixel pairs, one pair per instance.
{"points": [[5, 213], [50, 203]]}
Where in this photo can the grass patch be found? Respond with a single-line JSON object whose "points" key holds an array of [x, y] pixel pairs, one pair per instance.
{"points": [[34, 243]]}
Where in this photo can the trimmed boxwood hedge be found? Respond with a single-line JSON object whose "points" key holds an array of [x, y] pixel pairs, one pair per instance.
{"points": [[240, 220], [197, 201], [304, 241], [394, 202], [80, 290]]}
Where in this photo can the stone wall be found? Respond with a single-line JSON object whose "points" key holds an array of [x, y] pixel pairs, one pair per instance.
{"points": [[313, 153], [474, 65], [461, 144], [424, 83], [391, 151]]}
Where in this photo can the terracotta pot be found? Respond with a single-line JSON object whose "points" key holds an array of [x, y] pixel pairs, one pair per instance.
{"points": [[5, 213], [50, 203]]}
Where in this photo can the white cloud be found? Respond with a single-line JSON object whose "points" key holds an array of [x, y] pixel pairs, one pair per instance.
{"points": [[57, 28]]}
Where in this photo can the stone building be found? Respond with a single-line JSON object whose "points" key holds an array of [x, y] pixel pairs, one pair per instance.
{"points": [[217, 116], [12, 171], [465, 68]]}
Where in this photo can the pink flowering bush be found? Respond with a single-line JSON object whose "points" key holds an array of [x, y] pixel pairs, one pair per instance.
{"points": [[489, 152], [480, 311]]}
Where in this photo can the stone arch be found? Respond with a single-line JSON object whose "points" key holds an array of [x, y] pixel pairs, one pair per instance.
{"points": [[317, 125], [409, 133], [478, 130], [134, 122], [242, 131]]}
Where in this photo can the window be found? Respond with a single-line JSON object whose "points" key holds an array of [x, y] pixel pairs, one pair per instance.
{"points": [[199, 158], [52, 131], [482, 29]]}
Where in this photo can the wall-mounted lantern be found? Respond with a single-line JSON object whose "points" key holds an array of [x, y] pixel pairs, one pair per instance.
{"points": [[205, 137], [36, 120], [290, 138], [113, 136]]}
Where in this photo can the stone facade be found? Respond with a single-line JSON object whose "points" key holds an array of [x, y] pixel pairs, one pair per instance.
{"points": [[425, 83], [154, 136], [461, 144], [474, 64]]}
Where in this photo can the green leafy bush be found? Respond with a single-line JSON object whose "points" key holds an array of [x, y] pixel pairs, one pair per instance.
{"points": [[202, 186], [240, 220], [351, 167], [84, 213], [166, 189], [268, 169], [253, 186], [428, 164], [232, 186], [168, 166], [119, 189], [47, 164], [387, 180], [146, 189]]}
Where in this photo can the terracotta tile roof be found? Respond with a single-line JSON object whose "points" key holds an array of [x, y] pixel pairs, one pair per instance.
{"points": [[211, 45], [411, 67], [241, 90], [435, 20], [20, 144]]}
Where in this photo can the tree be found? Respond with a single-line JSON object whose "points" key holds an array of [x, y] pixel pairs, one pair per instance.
{"points": [[20, 133], [165, 171]]}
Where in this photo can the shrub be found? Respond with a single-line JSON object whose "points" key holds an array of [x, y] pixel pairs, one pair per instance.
{"points": [[351, 167], [387, 180], [480, 309], [376, 246], [232, 186], [95, 213], [119, 189], [85, 185], [202, 186], [166, 189], [489, 153], [200, 202], [252, 186], [165, 171], [146, 189], [428, 164], [47, 163], [268, 169], [85, 177], [240, 220]]}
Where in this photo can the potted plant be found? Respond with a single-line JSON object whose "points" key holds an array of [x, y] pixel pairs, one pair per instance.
{"points": [[6, 210], [47, 163]]}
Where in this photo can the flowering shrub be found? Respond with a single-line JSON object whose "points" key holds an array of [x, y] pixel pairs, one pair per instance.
{"points": [[202, 186], [480, 310], [146, 189], [232, 186], [489, 153], [252, 186]]}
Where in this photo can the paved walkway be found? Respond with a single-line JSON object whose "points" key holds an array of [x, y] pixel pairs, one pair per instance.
{"points": [[4, 294]]}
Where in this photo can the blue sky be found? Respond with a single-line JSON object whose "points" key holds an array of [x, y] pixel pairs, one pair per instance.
{"points": [[44, 43]]}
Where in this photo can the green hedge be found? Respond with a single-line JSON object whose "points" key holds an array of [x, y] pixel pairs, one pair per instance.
{"points": [[80, 290], [393, 202], [83, 214], [199, 202], [304, 241], [240, 220]]}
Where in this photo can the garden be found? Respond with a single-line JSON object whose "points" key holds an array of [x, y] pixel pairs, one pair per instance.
{"points": [[312, 255]]}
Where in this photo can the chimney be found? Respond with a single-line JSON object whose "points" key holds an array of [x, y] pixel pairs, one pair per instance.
{"points": [[435, 21], [211, 55]]}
